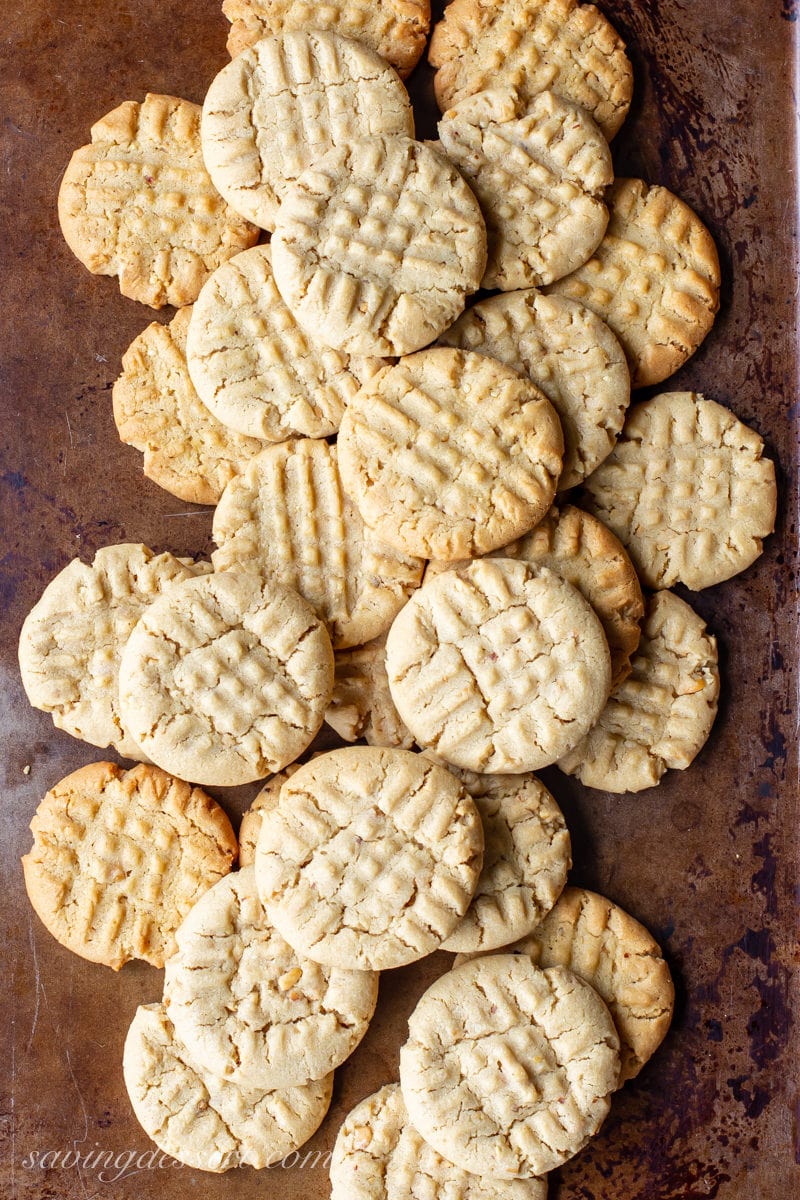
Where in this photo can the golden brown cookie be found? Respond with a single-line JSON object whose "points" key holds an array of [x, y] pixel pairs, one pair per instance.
{"points": [[654, 279], [120, 857], [187, 451], [602, 944], [687, 490], [288, 517], [377, 246], [570, 354], [362, 705], [450, 454], [285, 101], [394, 29], [660, 716], [226, 678], [533, 45], [138, 203], [539, 169]]}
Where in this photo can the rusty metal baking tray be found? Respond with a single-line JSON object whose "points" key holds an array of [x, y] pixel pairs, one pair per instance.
{"points": [[708, 860]]}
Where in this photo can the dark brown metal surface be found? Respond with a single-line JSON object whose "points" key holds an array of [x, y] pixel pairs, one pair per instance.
{"points": [[709, 860]]}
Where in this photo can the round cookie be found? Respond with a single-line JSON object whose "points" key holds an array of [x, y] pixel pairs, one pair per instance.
{"points": [[250, 1010], [287, 517], [119, 858], [362, 705], [377, 246], [654, 279], [533, 45], [378, 1155], [661, 715], [285, 101], [252, 364], [370, 859], [687, 491], [72, 640], [526, 858], [138, 202], [226, 678], [395, 29], [497, 665], [539, 169], [610, 950], [508, 1068], [449, 454], [206, 1122], [570, 354], [187, 451], [252, 817]]}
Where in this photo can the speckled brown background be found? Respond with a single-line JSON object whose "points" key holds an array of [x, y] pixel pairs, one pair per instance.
{"points": [[709, 860]]}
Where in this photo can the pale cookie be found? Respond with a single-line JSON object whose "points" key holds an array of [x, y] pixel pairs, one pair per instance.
{"points": [[119, 858], [252, 364], [252, 817], [581, 550], [395, 29], [534, 46], [525, 863], [283, 103], [370, 859], [539, 169], [687, 490], [362, 705], [206, 1122], [226, 678], [138, 203], [654, 279], [449, 454], [187, 451], [661, 715], [497, 665], [509, 1069], [610, 950], [250, 1010], [288, 517], [378, 1155], [570, 354], [378, 245], [72, 640]]}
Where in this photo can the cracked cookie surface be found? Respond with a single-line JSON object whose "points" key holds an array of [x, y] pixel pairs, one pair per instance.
{"points": [[120, 857], [449, 454], [661, 714], [226, 678], [509, 1069], [526, 857], [497, 664], [187, 451], [533, 45], [252, 364], [251, 1010], [654, 279], [539, 170], [362, 705], [370, 859], [72, 640], [288, 517], [687, 490], [378, 1155], [570, 354], [377, 246], [285, 101], [394, 29], [138, 202], [621, 960], [206, 1122]]}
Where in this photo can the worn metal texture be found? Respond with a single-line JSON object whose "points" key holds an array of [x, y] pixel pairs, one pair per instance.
{"points": [[708, 860]]}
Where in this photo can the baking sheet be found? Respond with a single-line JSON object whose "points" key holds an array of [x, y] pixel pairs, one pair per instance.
{"points": [[708, 860]]}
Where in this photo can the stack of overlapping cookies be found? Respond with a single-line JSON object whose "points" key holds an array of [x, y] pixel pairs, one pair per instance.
{"points": [[399, 552]]}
